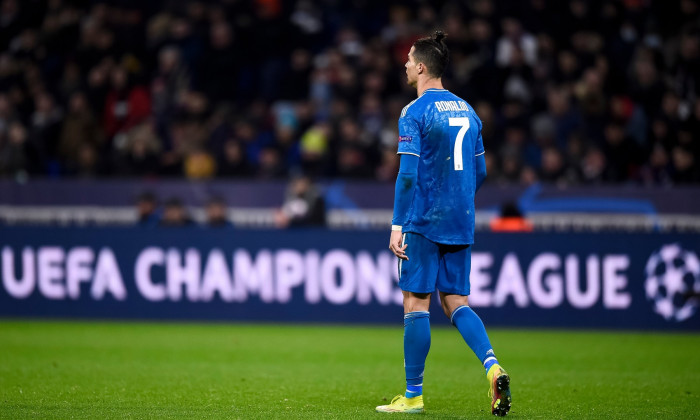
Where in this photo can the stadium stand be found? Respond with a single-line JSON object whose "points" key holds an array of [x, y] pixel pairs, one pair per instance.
{"points": [[571, 92]]}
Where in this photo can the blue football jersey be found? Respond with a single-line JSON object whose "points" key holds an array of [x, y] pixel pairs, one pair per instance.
{"points": [[445, 133]]}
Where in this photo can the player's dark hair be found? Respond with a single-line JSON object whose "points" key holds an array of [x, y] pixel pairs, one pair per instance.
{"points": [[432, 52]]}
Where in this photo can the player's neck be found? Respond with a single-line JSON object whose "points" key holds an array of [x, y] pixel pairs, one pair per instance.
{"points": [[425, 84]]}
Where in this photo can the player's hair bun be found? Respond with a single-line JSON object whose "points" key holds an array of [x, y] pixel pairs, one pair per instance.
{"points": [[439, 35]]}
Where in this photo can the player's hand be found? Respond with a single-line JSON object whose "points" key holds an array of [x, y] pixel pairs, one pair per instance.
{"points": [[395, 245]]}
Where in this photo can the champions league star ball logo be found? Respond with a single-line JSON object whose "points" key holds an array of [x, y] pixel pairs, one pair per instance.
{"points": [[673, 282]]}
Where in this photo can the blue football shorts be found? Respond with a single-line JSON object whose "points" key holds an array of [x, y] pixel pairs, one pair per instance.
{"points": [[432, 265]]}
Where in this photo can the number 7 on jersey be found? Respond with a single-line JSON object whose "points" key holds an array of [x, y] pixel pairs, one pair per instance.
{"points": [[464, 123]]}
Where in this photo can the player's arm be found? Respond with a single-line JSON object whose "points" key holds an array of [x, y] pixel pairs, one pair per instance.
{"points": [[409, 150], [479, 159], [403, 194], [480, 170]]}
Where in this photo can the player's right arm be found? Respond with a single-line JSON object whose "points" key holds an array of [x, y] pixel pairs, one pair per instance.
{"points": [[403, 194], [480, 171], [409, 150]]}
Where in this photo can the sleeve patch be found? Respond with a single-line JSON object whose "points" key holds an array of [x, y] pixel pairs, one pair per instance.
{"points": [[405, 139]]}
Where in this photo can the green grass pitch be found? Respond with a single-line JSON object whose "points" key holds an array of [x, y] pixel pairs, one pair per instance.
{"points": [[98, 370]]}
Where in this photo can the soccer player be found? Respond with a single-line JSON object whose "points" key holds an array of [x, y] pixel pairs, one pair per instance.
{"points": [[442, 166]]}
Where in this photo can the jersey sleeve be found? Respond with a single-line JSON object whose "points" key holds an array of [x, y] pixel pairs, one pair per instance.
{"points": [[409, 136], [479, 144]]}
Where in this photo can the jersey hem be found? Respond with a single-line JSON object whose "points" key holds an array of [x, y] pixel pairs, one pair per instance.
{"points": [[441, 241]]}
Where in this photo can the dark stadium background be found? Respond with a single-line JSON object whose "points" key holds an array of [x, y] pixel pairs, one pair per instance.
{"points": [[195, 206], [198, 127]]}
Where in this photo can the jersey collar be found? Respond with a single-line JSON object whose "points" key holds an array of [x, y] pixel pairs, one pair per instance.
{"points": [[433, 90]]}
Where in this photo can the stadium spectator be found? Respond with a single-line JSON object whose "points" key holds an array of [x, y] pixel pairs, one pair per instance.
{"points": [[199, 164], [139, 153], [232, 161], [270, 164], [175, 214], [216, 213], [125, 105], [80, 131], [686, 168], [303, 205], [147, 209], [16, 152], [45, 128]]}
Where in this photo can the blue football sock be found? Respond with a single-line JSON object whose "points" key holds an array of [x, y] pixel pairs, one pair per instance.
{"points": [[474, 333], [416, 344]]}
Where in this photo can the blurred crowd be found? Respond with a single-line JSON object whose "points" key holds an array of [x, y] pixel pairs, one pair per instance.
{"points": [[569, 91], [303, 206]]}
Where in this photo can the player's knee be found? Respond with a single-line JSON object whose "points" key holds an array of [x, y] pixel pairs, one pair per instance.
{"points": [[444, 306], [416, 302], [446, 310], [450, 302]]}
